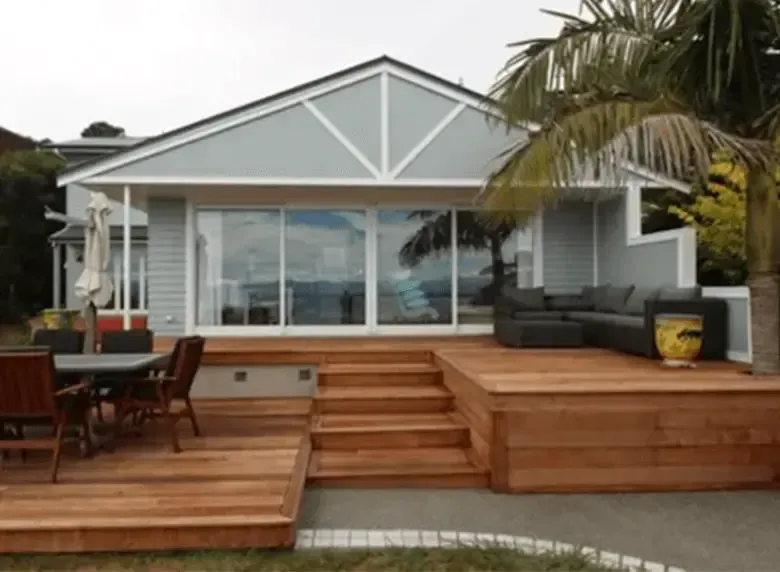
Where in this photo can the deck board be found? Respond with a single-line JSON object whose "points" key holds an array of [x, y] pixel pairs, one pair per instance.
{"points": [[239, 486]]}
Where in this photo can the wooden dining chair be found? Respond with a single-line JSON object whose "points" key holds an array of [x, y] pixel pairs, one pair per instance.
{"points": [[157, 395], [135, 341], [28, 395]]}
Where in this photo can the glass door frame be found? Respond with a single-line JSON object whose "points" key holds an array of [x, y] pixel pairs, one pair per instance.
{"points": [[371, 325]]}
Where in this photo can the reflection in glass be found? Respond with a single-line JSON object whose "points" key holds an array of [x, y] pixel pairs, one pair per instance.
{"points": [[489, 256], [238, 267], [139, 285], [325, 267], [414, 267]]}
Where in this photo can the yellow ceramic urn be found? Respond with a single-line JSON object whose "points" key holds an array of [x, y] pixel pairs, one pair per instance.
{"points": [[678, 338]]}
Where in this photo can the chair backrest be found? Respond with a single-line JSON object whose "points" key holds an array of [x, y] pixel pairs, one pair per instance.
{"points": [[170, 369], [186, 366], [27, 384], [137, 341], [60, 341]]}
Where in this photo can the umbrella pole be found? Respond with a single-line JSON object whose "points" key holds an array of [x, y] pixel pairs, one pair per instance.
{"points": [[90, 319]]}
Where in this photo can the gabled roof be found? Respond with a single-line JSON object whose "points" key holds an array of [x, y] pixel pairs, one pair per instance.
{"points": [[73, 174]]}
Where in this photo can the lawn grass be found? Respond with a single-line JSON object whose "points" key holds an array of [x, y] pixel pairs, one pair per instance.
{"points": [[388, 560]]}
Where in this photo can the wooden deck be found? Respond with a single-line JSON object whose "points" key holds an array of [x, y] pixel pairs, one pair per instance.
{"points": [[597, 421], [401, 412], [239, 486]]}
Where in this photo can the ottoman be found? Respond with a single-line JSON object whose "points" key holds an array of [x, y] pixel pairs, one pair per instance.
{"points": [[538, 334]]}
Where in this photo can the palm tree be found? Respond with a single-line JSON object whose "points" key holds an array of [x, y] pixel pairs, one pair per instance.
{"points": [[664, 84], [473, 232]]}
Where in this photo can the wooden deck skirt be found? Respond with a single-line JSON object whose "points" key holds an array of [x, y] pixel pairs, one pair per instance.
{"points": [[598, 421]]}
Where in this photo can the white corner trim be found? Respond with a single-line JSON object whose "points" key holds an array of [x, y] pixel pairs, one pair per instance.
{"points": [[727, 292], [685, 237], [190, 276], [211, 128], [427, 140], [384, 124], [475, 184], [595, 243], [659, 180], [537, 246], [741, 357], [377, 539], [341, 138]]}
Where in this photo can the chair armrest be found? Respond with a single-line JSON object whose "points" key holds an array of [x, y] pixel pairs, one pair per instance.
{"points": [[71, 389]]}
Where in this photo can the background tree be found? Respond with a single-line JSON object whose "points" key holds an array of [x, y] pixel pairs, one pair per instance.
{"points": [[102, 129], [474, 233], [27, 184], [664, 84]]}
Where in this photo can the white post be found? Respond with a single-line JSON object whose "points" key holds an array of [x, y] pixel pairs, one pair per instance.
{"points": [[56, 263], [126, 259]]}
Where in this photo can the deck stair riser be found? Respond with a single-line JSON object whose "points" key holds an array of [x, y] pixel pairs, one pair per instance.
{"points": [[390, 437], [358, 356], [376, 375]]}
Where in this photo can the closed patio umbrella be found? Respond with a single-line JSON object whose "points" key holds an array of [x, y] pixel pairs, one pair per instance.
{"points": [[94, 286]]}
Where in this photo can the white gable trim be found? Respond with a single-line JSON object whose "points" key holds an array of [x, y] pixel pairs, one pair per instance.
{"points": [[381, 69]]}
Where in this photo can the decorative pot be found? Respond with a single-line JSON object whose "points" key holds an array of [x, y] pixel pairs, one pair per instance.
{"points": [[678, 338]]}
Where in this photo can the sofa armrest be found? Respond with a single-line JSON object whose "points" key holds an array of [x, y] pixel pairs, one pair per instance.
{"points": [[503, 307], [714, 311]]}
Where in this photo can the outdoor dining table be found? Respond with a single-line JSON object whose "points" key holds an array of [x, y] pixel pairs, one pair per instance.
{"points": [[92, 364], [107, 364]]}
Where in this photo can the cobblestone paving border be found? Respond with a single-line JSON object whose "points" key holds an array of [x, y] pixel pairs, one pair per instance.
{"points": [[368, 539]]}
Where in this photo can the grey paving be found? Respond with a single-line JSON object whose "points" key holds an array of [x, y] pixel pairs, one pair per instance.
{"points": [[729, 531]]}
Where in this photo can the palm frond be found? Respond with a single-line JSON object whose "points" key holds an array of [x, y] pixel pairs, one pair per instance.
{"points": [[601, 137]]}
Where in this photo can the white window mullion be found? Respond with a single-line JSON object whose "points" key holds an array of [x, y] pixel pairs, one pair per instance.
{"points": [[283, 300], [142, 282], [454, 264], [117, 263]]}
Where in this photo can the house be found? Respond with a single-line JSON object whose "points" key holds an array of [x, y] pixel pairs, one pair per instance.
{"points": [[299, 214], [68, 243]]}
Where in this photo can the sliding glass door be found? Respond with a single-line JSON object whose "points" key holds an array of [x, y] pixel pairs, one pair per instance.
{"points": [[414, 268], [317, 271], [325, 267]]}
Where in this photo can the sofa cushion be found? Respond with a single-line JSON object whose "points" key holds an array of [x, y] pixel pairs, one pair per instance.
{"points": [[607, 318], [676, 293], [569, 303], [589, 317], [525, 299], [599, 294], [635, 305], [614, 299], [533, 316]]}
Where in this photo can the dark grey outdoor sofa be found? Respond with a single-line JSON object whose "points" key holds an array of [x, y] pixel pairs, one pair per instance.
{"points": [[614, 317]]}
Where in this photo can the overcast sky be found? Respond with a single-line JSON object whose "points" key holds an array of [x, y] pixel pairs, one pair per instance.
{"points": [[153, 65]]}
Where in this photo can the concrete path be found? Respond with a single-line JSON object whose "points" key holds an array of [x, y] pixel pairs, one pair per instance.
{"points": [[707, 532]]}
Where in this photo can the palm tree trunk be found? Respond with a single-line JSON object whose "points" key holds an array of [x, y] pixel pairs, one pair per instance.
{"points": [[760, 244]]}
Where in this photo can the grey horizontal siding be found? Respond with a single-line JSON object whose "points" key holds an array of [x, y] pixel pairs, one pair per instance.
{"points": [[167, 267], [567, 246]]}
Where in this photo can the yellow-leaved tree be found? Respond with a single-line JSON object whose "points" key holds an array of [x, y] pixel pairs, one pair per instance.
{"points": [[717, 213]]}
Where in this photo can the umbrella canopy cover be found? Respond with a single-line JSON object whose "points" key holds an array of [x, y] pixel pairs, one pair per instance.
{"points": [[94, 285]]}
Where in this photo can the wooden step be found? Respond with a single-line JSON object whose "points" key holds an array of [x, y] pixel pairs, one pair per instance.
{"points": [[372, 356], [420, 467], [385, 399], [378, 374], [390, 436]]}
